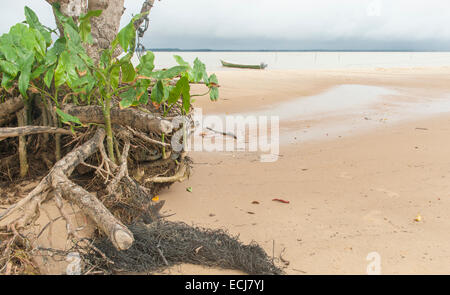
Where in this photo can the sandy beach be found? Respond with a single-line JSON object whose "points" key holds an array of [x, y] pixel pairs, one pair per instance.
{"points": [[350, 194], [363, 154]]}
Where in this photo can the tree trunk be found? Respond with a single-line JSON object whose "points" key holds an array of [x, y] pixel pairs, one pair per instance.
{"points": [[104, 28]]}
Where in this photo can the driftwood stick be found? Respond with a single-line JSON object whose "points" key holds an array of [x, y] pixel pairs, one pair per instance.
{"points": [[130, 117], [29, 130]]}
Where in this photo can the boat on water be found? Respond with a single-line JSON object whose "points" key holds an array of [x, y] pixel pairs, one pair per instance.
{"points": [[261, 66]]}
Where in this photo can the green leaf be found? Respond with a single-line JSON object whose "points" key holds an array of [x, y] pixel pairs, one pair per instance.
{"points": [[9, 68], [72, 36], [7, 48], [25, 72], [33, 22], [105, 58], [49, 76], [145, 68], [114, 76], [181, 61], [22, 37], [128, 98], [170, 73], [85, 25], [7, 81], [40, 44], [128, 72], [186, 98], [60, 72], [61, 17], [214, 93], [66, 118], [158, 92], [199, 71], [176, 92], [53, 53], [38, 72], [126, 37], [189, 189]]}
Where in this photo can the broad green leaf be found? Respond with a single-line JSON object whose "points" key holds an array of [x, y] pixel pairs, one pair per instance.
{"points": [[49, 76], [85, 25], [22, 37], [186, 98], [60, 72], [61, 17], [170, 73], [128, 98], [7, 49], [199, 71], [33, 22], [38, 72], [181, 61], [142, 91], [66, 118], [25, 72], [145, 68], [128, 72], [40, 44], [126, 37], [158, 92], [142, 95], [53, 53], [176, 92], [72, 36], [9, 68], [114, 77], [214, 94], [105, 58], [7, 81]]}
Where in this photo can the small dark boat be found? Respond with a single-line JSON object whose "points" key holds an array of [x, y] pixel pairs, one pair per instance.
{"points": [[262, 66]]}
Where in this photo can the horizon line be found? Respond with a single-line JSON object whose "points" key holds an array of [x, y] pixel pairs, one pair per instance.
{"points": [[290, 50]]}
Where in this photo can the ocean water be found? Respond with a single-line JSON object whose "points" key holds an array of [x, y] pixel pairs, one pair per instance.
{"points": [[310, 60]]}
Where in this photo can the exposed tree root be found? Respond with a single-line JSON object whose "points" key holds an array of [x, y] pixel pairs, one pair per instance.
{"points": [[127, 117], [29, 130], [22, 120], [57, 180], [11, 106], [181, 175]]}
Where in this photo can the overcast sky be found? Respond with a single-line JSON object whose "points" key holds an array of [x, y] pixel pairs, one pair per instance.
{"points": [[281, 24]]}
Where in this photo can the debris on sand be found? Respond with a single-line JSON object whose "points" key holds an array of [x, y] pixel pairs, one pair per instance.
{"points": [[163, 244]]}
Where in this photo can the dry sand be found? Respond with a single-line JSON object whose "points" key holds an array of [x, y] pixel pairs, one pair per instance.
{"points": [[349, 196]]}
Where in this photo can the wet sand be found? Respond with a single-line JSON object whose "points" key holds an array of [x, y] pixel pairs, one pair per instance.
{"points": [[352, 190]]}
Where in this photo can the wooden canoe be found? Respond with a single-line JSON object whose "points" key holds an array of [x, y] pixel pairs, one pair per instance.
{"points": [[262, 66]]}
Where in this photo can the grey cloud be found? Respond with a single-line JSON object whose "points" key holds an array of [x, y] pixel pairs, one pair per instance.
{"points": [[282, 24]]}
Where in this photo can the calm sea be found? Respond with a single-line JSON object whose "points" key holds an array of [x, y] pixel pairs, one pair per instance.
{"points": [[311, 60]]}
